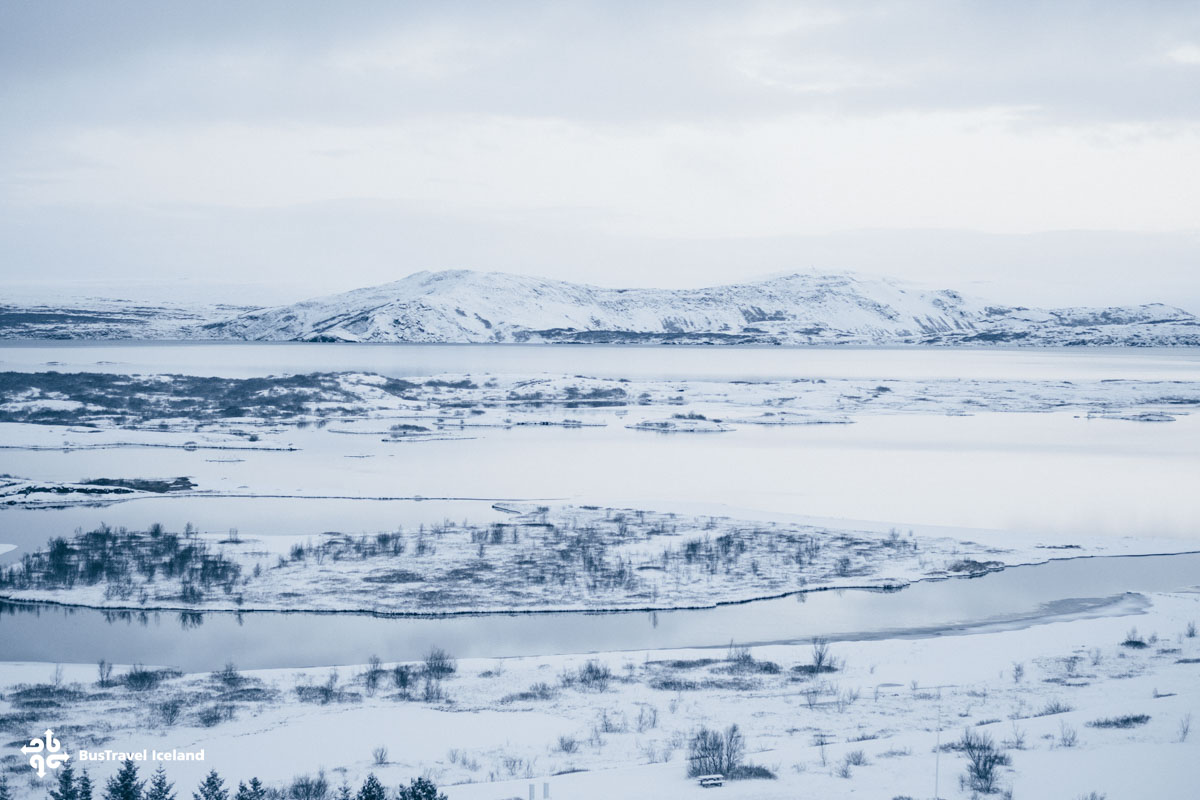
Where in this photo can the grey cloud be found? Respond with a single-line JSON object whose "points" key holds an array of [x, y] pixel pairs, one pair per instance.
{"points": [[71, 67], [150, 63]]}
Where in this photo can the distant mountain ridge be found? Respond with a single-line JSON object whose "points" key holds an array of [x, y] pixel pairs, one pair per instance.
{"points": [[462, 307]]}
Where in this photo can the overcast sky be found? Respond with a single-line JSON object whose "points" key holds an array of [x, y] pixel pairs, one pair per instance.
{"points": [[1029, 151]]}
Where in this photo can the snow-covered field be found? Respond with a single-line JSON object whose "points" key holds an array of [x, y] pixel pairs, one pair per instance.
{"points": [[496, 725], [563, 491]]}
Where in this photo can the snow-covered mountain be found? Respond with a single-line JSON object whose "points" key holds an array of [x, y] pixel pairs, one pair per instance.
{"points": [[107, 318], [464, 306]]}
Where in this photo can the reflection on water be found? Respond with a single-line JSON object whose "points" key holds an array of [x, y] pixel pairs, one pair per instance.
{"points": [[31, 528], [50, 614], [189, 620], [193, 641]]}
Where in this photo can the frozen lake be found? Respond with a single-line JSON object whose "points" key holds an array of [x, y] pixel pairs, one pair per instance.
{"points": [[246, 359], [1043, 473]]}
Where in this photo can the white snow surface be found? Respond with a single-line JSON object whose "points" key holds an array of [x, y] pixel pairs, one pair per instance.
{"points": [[465, 306]]}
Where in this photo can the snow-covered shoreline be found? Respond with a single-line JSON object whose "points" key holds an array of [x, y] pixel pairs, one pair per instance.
{"points": [[484, 733]]}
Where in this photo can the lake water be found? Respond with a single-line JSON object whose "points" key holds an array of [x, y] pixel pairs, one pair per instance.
{"points": [[1012, 598], [1051, 474], [244, 359]]}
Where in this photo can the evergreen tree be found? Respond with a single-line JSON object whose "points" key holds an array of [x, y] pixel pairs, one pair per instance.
{"points": [[66, 789], [124, 785], [257, 790], [160, 788], [5, 794], [213, 788], [372, 789], [420, 789], [84, 791], [343, 792]]}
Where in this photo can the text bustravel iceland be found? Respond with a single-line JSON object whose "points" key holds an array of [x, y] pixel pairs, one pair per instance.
{"points": [[146, 754]]}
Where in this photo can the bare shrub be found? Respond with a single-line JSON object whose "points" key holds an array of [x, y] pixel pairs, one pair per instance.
{"points": [[984, 760], [1017, 740], [594, 675], [611, 723], [822, 658], [667, 683], [304, 787], [1054, 707], [402, 677], [711, 752], [1133, 640], [373, 675], [168, 711], [439, 664], [379, 756], [213, 715], [846, 699], [735, 749], [1126, 721], [742, 660], [432, 691], [229, 676], [567, 744], [537, 691], [895, 752], [140, 679], [647, 718], [323, 693], [740, 657]]}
